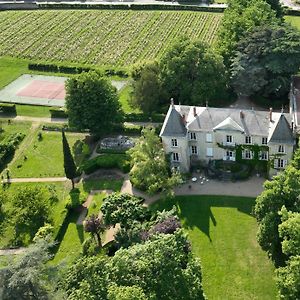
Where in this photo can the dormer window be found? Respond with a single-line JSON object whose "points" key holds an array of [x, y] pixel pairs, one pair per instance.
{"points": [[248, 139], [228, 138], [193, 136], [174, 143], [280, 149]]}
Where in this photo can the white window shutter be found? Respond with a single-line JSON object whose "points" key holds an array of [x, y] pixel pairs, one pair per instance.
{"points": [[285, 163], [276, 163]]}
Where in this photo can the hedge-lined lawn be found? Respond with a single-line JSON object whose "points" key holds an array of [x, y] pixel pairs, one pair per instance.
{"points": [[13, 127], [45, 157], [57, 213], [223, 236], [101, 37], [72, 234]]}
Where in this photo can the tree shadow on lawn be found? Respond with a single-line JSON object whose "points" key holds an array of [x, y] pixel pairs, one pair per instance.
{"points": [[195, 211]]}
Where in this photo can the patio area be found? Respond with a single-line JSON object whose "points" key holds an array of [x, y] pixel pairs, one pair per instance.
{"points": [[198, 185]]}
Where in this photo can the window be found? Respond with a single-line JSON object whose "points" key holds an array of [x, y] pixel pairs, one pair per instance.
{"points": [[174, 143], [228, 138], [208, 138], [209, 152], [280, 163], [263, 155], [248, 139], [229, 153], [280, 149], [193, 135], [194, 150], [264, 140], [247, 154], [175, 156], [176, 169]]}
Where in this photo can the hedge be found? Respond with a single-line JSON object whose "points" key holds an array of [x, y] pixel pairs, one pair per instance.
{"points": [[58, 113], [107, 161], [54, 68], [59, 127], [139, 117], [8, 108], [131, 7]]}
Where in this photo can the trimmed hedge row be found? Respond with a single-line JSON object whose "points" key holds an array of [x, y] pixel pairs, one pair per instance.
{"points": [[58, 113], [54, 68], [8, 108], [131, 7], [134, 117], [107, 161]]}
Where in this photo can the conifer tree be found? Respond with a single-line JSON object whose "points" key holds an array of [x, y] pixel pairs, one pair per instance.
{"points": [[69, 164]]}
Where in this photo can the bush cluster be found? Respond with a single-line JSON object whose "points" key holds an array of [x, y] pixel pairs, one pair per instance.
{"points": [[8, 147], [7, 108], [56, 112], [107, 161], [139, 117]]}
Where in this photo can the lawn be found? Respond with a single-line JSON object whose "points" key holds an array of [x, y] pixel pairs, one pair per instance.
{"points": [[43, 158], [72, 235], [33, 111], [294, 20], [13, 127], [89, 36], [125, 95], [223, 235]]}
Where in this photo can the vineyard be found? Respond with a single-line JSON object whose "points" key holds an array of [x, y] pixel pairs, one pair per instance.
{"points": [[107, 37]]}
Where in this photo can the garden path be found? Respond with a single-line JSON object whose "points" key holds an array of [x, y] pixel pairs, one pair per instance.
{"points": [[4, 252], [43, 179]]}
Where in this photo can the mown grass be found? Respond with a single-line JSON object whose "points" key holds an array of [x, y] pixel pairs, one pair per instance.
{"points": [[294, 20], [12, 127], [223, 235], [43, 158]]}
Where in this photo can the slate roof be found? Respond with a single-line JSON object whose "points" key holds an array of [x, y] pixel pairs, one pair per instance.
{"points": [[207, 119], [174, 124], [280, 132]]}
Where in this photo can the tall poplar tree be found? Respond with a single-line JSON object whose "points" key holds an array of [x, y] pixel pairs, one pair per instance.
{"points": [[69, 164]]}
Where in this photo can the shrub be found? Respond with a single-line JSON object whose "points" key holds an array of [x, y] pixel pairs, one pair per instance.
{"points": [[139, 117], [7, 108], [107, 161], [58, 113]]}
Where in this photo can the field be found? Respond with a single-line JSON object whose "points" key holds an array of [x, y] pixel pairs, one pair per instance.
{"points": [[295, 21], [223, 236], [112, 38]]}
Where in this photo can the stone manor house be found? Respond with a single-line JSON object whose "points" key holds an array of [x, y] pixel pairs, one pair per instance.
{"points": [[195, 135]]}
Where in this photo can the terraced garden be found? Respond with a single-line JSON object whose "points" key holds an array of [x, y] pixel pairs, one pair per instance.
{"points": [[111, 38]]}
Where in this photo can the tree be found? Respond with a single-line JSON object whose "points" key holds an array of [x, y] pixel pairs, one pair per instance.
{"points": [[26, 276], [125, 293], [288, 279], [29, 211], [69, 164], [239, 19], [162, 267], [87, 279], [193, 74], [266, 57], [283, 190], [150, 170], [92, 103], [95, 226], [123, 209], [147, 89]]}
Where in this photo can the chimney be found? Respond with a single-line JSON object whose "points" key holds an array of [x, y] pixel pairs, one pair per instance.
{"points": [[242, 115], [270, 114], [206, 103], [183, 119], [172, 102], [195, 112]]}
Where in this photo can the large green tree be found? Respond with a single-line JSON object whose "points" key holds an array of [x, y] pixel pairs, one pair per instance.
{"points": [[147, 88], [123, 209], [26, 277], [283, 190], [266, 58], [69, 164], [193, 74], [239, 19], [150, 170], [92, 103]]}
